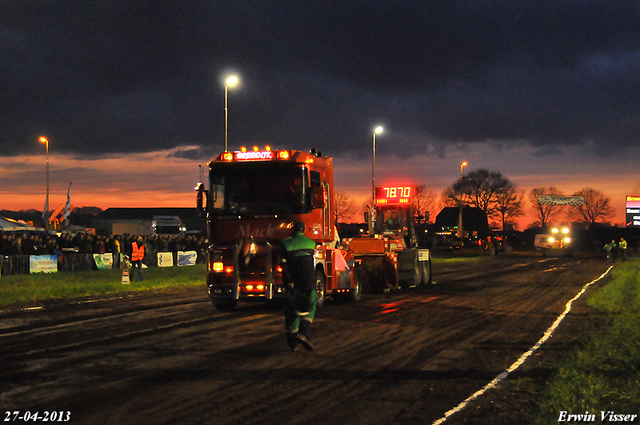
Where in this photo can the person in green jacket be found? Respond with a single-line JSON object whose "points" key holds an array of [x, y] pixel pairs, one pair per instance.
{"points": [[610, 249], [298, 273]]}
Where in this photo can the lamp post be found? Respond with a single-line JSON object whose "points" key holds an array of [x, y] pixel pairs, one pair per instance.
{"points": [[229, 82], [377, 130], [460, 229], [44, 140]]}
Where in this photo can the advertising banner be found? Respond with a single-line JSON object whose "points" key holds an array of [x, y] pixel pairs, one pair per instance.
{"points": [[43, 263], [187, 258], [165, 259], [633, 211], [103, 261]]}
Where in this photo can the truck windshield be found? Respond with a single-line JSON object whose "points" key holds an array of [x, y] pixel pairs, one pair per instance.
{"points": [[390, 220], [258, 189]]}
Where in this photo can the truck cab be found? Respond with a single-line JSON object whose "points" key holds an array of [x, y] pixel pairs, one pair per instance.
{"points": [[390, 256], [254, 198], [397, 222]]}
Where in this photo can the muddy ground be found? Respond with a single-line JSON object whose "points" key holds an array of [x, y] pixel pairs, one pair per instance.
{"points": [[401, 358]]}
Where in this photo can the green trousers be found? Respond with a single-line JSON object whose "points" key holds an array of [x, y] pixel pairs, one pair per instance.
{"points": [[299, 312]]}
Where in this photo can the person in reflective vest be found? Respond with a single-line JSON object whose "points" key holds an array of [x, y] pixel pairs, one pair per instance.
{"points": [[298, 274], [622, 245], [137, 255]]}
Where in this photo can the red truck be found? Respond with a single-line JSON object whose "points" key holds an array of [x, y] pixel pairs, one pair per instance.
{"points": [[253, 200]]}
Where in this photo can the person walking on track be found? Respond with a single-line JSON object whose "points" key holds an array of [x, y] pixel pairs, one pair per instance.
{"points": [[298, 272]]}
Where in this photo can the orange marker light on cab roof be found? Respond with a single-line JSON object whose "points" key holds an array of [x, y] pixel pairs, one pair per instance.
{"points": [[227, 156], [283, 154]]}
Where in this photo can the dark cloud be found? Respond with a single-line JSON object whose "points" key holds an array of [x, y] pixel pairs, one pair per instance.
{"points": [[123, 76]]}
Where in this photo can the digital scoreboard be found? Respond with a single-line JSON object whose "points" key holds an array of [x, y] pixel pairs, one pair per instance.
{"points": [[633, 211], [394, 195]]}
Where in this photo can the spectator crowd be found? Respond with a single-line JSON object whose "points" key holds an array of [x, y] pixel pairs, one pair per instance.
{"points": [[15, 244]]}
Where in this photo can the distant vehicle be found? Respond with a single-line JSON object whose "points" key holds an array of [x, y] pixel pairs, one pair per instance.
{"points": [[556, 241], [167, 225], [158, 225]]}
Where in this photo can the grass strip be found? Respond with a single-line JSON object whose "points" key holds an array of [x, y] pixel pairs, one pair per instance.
{"points": [[604, 376], [33, 288]]}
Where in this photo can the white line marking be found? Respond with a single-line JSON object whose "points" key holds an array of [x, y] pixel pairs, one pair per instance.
{"points": [[522, 358]]}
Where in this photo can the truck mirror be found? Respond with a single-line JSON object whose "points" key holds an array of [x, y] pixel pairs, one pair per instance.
{"points": [[200, 200]]}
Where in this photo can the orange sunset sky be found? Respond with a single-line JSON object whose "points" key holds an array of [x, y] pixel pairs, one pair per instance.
{"points": [[164, 179]]}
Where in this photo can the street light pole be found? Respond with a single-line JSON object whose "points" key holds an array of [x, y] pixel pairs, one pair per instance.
{"points": [[460, 229], [229, 82], [44, 140], [377, 130]]}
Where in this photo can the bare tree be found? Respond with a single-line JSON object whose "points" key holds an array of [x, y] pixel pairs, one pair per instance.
{"points": [[596, 207], [343, 206], [509, 205], [488, 190], [543, 212], [423, 203]]}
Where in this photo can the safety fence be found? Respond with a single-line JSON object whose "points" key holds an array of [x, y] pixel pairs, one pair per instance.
{"points": [[76, 262]]}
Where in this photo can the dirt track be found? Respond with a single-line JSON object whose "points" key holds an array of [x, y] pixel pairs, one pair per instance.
{"points": [[402, 358]]}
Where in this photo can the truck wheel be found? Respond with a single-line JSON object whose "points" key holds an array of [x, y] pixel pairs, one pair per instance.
{"points": [[225, 305], [356, 291], [320, 288], [409, 271], [419, 275], [426, 272]]}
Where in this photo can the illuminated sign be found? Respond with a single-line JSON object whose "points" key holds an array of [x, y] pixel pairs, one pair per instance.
{"points": [[560, 200], [254, 156], [394, 195], [633, 211]]}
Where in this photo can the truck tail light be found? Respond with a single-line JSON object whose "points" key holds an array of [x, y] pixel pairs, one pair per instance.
{"points": [[218, 266], [228, 269]]}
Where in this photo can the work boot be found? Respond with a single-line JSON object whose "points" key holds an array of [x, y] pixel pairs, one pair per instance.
{"points": [[302, 340]]}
